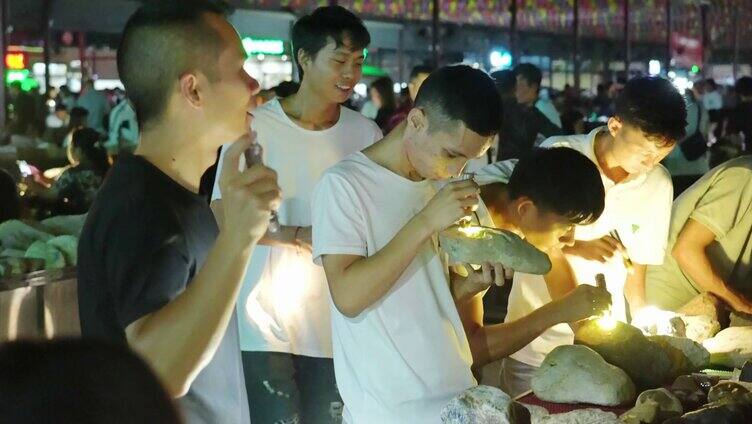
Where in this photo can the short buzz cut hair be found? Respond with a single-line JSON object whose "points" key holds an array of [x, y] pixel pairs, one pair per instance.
{"points": [[562, 181], [313, 32], [655, 107], [460, 93], [420, 69], [162, 40]]}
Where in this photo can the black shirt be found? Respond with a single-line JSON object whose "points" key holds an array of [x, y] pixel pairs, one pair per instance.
{"points": [[144, 240], [740, 121], [520, 126]]}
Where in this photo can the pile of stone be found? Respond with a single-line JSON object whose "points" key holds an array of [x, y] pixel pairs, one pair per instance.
{"points": [[609, 366]]}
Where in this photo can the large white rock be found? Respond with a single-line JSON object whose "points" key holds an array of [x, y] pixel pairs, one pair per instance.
{"points": [[484, 405], [578, 374], [731, 347]]}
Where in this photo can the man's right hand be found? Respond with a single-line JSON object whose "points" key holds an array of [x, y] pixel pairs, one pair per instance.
{"points": [[454, 201], [583, 302], [600, 250], [248, 197]]}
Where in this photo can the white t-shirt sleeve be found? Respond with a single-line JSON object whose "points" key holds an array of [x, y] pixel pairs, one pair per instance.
{"points": [[339, 226], [652, 236], [216, 195], [377, 134]]}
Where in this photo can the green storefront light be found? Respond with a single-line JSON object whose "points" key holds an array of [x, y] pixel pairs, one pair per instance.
{"points": [[23, 76]]}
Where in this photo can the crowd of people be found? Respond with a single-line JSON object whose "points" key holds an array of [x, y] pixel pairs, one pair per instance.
{"points": [[310, 287], [71, 140]]}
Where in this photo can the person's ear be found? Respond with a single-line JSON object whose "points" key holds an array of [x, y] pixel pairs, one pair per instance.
{"points": [[525, 209], [614, 125], [417, 121], [304, 60], [189, 89]]}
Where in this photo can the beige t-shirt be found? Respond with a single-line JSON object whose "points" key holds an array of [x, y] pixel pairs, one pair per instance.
{"points": [[722, 202]]}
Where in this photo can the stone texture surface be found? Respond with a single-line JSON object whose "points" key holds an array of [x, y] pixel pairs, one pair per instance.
{"points": [[746, 374], [690, 391], [577, 374], [653, 407], [727, 391], [729, 403], [496, 246], [704, 316], [706, 304], [700, 327], [646, 363], [537, 413], [731, 347], [581, 416], [739, 319], [686, 355], [484, 405]]}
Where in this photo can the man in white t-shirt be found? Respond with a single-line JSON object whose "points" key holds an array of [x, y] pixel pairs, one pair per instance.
{"points": [[404, 341], [650, 117], [283, 307]]}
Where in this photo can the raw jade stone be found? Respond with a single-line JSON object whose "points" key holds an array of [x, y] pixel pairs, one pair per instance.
{"points": [[484, 405], [703, 317], [653, 407], [690, 392], [729, 403], [740, 319], [577, 374], [15, 234], [731, 347], [494, 246], [68, 246], [687, 355], [700, 327], [624, 346], [580, 416], [68, 225], [52, 256]]}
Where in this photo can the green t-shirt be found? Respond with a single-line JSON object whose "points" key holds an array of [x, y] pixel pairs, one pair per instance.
{"points": [[722, 202]]}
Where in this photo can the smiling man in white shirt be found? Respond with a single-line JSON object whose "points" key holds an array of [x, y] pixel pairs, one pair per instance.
{"points": [[650, 117], [283, 307]]}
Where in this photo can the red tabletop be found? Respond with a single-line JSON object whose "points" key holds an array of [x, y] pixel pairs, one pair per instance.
{"points": [[559, 408]]}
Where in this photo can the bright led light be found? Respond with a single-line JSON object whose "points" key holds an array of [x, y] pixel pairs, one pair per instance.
{"points": [[653, 320], [681, 84], [654, 67], [606, 322], [472, 232], [361, 89], [397, 87], [671, 74], [500, 59]]}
